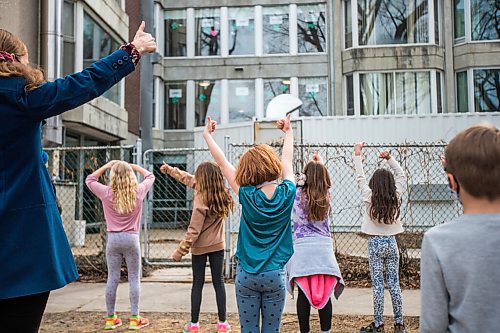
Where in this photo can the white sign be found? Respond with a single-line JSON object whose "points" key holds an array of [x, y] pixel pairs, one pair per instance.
{"points": [[175, 93], [207, 23], [312, 88], [242, 91], [276, 20], [242, 22]]}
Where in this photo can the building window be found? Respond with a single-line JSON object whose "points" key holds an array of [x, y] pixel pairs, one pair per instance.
{"points": [[485, 19], [402, 93], [459, 19], [314, 95], [311, 28], [97, 43], [275, 87], [376, 94], [383, 22], [486, 90], [462, 92], [208, 101], [350, 95], [241, 100], [68, 28], [347, 24], [439, 90], [241, 31], [175, 33], [276, 30], [208, 32], [175, 105], [413, 92]]}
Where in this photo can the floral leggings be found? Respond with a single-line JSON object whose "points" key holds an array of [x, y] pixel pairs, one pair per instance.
{"points": [[383, 251]]}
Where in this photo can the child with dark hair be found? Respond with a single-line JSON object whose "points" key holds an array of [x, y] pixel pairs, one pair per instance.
{"points": [[460, 263], [313, 267], [205, 237], [382, 201]]}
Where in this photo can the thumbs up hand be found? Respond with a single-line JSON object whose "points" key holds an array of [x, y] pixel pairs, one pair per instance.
{"points": [[143, 41]]}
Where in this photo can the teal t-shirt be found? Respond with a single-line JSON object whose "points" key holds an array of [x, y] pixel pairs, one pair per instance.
{"points": [[265, 237]]}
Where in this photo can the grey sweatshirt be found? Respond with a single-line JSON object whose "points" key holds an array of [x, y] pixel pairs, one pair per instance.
{"points": [[460, 281]]}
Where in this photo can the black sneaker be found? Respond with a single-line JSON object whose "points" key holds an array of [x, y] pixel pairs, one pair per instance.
{"points": [[399, 328], [372, 328]]}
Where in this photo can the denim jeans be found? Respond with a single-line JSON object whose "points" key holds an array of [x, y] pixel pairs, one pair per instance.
{"points": [[260, 295]]}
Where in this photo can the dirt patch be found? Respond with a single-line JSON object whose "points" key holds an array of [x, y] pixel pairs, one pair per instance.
{"points": [[86, 322]]}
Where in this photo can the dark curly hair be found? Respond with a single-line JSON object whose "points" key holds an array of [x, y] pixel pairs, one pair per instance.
{"points": [[385, 204]]}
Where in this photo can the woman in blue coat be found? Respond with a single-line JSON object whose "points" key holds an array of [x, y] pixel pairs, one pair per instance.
{"points": [[35, 256]]}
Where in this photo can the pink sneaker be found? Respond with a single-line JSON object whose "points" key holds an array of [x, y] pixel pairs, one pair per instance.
{"points": [[223, 327], [191, 328]]}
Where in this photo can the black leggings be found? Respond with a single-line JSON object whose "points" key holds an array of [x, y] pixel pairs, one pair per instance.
{"points": [[216, 264], [304, 311], [23, 314]]}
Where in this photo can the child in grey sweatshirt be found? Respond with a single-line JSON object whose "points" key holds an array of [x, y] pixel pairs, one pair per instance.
{"points": [[460, 263]]}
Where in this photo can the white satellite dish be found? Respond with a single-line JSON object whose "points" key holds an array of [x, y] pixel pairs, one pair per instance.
{"points": [[280, 106]]}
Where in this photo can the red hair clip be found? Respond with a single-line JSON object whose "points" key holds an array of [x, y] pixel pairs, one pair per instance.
{"points": [[6, 56]]}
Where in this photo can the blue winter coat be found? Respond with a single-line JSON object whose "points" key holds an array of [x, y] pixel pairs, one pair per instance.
{"points": [[35, 256]]}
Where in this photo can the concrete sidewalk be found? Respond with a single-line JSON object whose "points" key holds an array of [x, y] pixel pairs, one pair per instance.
{"points": [[175, 297]]}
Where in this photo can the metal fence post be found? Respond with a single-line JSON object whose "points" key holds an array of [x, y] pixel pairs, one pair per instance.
{"points": [[227, 147]]}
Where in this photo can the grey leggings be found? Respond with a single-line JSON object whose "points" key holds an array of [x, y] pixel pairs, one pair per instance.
{"points": [[118, 246]]}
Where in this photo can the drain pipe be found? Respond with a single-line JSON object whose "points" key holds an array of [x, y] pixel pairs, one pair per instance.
{"points": [[51, 58]]}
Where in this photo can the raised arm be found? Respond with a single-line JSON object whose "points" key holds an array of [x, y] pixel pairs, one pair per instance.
{"points": [[227, 168], [53, 98], [399, 175], [360, 173], [181, 176], [287, 153], [146, 183], [92, 180]]}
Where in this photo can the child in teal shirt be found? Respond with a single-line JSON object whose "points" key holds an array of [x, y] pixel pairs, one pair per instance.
{"points": [[266, 190]]}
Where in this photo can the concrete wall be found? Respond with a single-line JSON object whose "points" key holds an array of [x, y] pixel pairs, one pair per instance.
{"points": [[21, 17]]}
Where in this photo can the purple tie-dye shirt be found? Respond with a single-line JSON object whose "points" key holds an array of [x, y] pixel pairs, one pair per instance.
{"points": [[302, 227]]}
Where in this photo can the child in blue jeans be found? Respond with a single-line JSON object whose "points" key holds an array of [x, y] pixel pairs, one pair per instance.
{"points": [[266, 190]]}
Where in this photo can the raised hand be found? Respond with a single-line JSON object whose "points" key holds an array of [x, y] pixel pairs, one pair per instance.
{"points": [[386, 155], [164, 167], [210, 126], [358, 147], [143, 41], [284, 124], [317, 157]]}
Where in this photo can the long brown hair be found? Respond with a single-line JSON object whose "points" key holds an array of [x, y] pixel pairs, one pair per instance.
{"points": [[258, 165], [385, 204], [210, 187], [12, 44], [316, 191], [123, 184]]}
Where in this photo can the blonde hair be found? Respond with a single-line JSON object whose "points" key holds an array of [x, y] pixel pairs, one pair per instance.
{"points": [[210, 187], [258, 165], [123, 184], [13, 45]]}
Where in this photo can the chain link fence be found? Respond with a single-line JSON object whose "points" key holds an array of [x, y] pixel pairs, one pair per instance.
{"points": [[426, 201], [81, 211]]}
